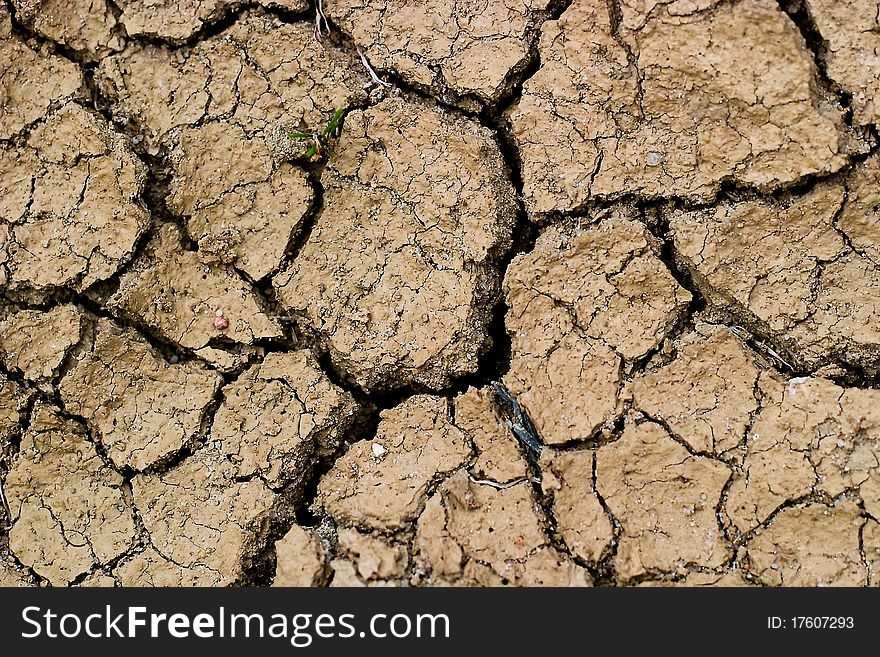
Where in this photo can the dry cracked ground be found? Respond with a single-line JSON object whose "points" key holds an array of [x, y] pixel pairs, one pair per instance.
{"points": [[456, 292]]}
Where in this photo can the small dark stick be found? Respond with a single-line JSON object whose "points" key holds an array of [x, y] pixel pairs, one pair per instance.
{"points": [[518, 422]]}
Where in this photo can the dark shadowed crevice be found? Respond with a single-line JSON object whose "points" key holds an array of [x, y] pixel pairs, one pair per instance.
{"points": [[799, 14], [606, 573], [229, 15]]}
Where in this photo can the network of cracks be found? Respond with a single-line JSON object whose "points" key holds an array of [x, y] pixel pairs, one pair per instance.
{"points": [[439, 293]]}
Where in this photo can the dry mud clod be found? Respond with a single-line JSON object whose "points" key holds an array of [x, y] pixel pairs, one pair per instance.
{"points": [[466, 52], [205, 526], [300, 559], [88, 28], [803, 271], [33, 81], [400, 271], [71, 206], [706, 395], [813, 545], [811, 436], [69, 510], [36, 343], [140, 408], [172, 291], [849, 29], [665, 499], [671, 100], [581, 304], [278, 416]]}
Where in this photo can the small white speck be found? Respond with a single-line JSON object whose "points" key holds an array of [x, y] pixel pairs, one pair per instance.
{"points": [[796, 381], [379, 451]]}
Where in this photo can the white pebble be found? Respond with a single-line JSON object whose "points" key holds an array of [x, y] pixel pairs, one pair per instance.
{"points": [[379, 451]]}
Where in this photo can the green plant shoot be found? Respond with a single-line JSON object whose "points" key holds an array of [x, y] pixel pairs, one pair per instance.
{"points": [[319, 144]]}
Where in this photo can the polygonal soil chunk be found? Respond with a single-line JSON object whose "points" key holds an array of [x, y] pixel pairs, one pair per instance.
{"points": [[386, 488], [85, 26], [810, 436], [364, 559], [480, 535], [188, 302], [849, 50], [69, 512], [279, 416], [581, 521], [14, 576], [549, 567], [36, 342], [71, 200], [13, 401], [871, 549], [260, 74], [97, 580], [160, 90], [734, 577], [140, 408], [150, 568], [761, 255], [31, 82], [860, 216], [499, 459], [251, 225], [180, 19], [581, 303], [224, 110], [671, 107], [466, 50], [812, 545], [299, 558], [242, 212], [786, 268], [206, 525], [665, 499], [212, 159], [399, 273], [466, 521], [706, 395]]}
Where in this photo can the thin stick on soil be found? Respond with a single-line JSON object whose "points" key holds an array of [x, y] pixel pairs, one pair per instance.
{"points": [[376, 79], [8, 523], [495, 484]]}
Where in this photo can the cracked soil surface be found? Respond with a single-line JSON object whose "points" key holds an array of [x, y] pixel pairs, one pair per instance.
{"points": [[456, 292]]}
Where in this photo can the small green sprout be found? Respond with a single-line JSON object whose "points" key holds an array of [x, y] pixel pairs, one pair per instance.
{"points": [[320, 144]]}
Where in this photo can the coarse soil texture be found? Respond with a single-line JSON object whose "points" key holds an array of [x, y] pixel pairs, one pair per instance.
{"points": [[444, 292]]}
